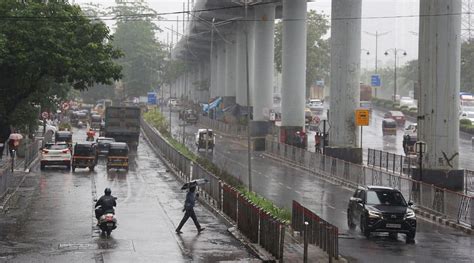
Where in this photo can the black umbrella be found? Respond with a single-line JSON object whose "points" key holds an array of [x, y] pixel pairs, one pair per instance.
{"points": [[194, 183]]}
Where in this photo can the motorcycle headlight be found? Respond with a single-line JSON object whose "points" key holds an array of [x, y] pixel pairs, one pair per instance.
{"points": [[410, 214], [373, 214]]}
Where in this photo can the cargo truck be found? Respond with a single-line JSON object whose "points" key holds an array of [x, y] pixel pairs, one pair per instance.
{"points": [[123, 124]]}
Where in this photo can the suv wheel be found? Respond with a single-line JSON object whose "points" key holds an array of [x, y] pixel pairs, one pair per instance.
{"points": [[363, 227], [350, 222], [410, 237]]}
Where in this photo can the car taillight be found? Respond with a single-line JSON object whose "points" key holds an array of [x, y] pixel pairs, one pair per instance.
{"points": [[109, 218], [45, 151], [66, 151]]}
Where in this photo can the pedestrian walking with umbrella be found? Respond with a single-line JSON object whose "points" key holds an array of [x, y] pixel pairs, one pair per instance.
{"points": [[189, 204]]}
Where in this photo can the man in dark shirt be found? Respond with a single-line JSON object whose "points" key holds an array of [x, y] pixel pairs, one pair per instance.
{"points": [[189, 208], [106, 203]]}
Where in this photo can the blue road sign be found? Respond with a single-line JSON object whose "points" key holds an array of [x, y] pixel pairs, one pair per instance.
{"points": [[152, 98], [375, 80]]}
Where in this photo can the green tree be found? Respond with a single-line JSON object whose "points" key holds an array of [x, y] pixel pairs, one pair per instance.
{"points": [[144, 55], [49, 48], [317, 48]]}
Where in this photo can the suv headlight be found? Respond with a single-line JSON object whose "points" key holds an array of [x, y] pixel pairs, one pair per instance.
{"points": [[410, 214], [373, 214]]}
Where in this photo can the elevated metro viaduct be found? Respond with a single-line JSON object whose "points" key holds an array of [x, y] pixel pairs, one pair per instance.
{"points": [[222, 34]]}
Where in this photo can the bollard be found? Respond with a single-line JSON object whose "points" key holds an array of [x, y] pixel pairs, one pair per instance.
{"points": [[329, 241], [305, 249], [282, 242]]}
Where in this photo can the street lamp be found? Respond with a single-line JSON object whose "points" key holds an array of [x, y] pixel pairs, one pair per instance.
{"points": [[420, 147], [395, 52]]}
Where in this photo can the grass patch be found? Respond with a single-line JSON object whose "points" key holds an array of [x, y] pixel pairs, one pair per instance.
{"points": [[156, 119]]}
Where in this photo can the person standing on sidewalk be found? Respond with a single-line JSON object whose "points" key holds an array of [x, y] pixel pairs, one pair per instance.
{"points": [[189, 211]]}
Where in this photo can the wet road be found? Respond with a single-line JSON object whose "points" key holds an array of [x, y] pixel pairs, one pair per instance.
{"points": [[282, 184], [60, 225]]}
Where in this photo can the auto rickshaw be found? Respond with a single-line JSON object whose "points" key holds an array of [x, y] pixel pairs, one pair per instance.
{"points": [[203, 137], [95, 122], [118, 156], [85, 156], [389, 127], [409, 141], [64, 136]]}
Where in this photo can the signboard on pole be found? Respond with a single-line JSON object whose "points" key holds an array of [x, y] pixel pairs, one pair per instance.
{"points": [[375, 80], [45, 115], [362, 117], [152, 98]]}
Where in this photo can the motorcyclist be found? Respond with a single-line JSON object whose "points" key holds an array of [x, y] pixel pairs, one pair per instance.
{"points": [[90, 135], [106, 203]]}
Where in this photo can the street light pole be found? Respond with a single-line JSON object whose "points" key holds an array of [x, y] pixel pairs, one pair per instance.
{"points": [[376, 35], [395, 53], [249, 150]]}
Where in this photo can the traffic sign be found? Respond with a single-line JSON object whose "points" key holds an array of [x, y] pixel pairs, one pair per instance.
{"points": [[375, 80], [65, 106], [362, 117], [152, 98], [45, 115], [316, 119]]}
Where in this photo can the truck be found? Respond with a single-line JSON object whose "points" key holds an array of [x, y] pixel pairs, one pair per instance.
{"points": [[123, 124]]}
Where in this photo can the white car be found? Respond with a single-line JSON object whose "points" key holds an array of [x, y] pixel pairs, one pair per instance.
{"points": [[56, 154], [411, 129], [407, 101]]}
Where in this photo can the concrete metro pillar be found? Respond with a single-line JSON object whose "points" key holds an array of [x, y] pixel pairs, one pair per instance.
{"points": [[213, 71], [220, 83], [293, 90], [241, 69], [345, 80], [438, 105], [230, 70], [263, 59]]}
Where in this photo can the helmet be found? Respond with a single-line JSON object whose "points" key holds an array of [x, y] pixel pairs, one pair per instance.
{"points": [[107, 191]]}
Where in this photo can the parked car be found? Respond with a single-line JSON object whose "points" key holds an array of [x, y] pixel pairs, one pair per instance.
{"points": [[55, 154], [398, 116], [103, 144], [381, 209], [118, 156], [85, 156]]}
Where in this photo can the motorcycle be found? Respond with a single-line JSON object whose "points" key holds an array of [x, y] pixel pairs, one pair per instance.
{"points": [[107, 222]]}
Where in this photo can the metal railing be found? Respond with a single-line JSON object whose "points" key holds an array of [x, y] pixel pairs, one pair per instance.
{"points": [[251, 220], [391, 162], [259, 226], [227, 128], [6, 176], [316, 231], [451, 205]]}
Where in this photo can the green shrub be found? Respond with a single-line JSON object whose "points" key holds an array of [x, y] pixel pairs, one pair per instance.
{"points": [[413, 109], [404, 108], [465, 122], [396, 107], [64, 126], [388, 104]]}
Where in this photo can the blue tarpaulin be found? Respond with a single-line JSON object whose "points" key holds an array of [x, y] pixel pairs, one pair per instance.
{"points": [[212, 105]]}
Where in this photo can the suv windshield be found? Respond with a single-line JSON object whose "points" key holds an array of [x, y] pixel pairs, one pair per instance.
{"points": [[56, 146], [83, 150], [385, 197], [118, 152]]}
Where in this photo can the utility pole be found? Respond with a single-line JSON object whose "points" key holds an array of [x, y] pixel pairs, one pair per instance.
{"points": [[376, 35], [395, 53], [249, 150]]}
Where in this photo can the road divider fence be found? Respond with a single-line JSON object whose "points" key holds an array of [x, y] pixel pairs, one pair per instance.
{"points": [[317, 231], [450, 205], [258, 226]]}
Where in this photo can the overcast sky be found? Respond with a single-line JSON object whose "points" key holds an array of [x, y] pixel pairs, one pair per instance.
{"points": [[377, 15]]}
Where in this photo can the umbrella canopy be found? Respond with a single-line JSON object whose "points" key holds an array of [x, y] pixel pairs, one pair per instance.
{"points": [[15, 136], [194, 183]]}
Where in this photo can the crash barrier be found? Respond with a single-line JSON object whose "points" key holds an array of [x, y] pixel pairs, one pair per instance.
{"points": [[226, 128], [179, 162], [391, 162], [454, 206], [257, 225], [317, 232]]}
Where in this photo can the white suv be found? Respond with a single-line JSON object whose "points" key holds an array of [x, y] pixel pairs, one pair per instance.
{"points": [[56, 154]]}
